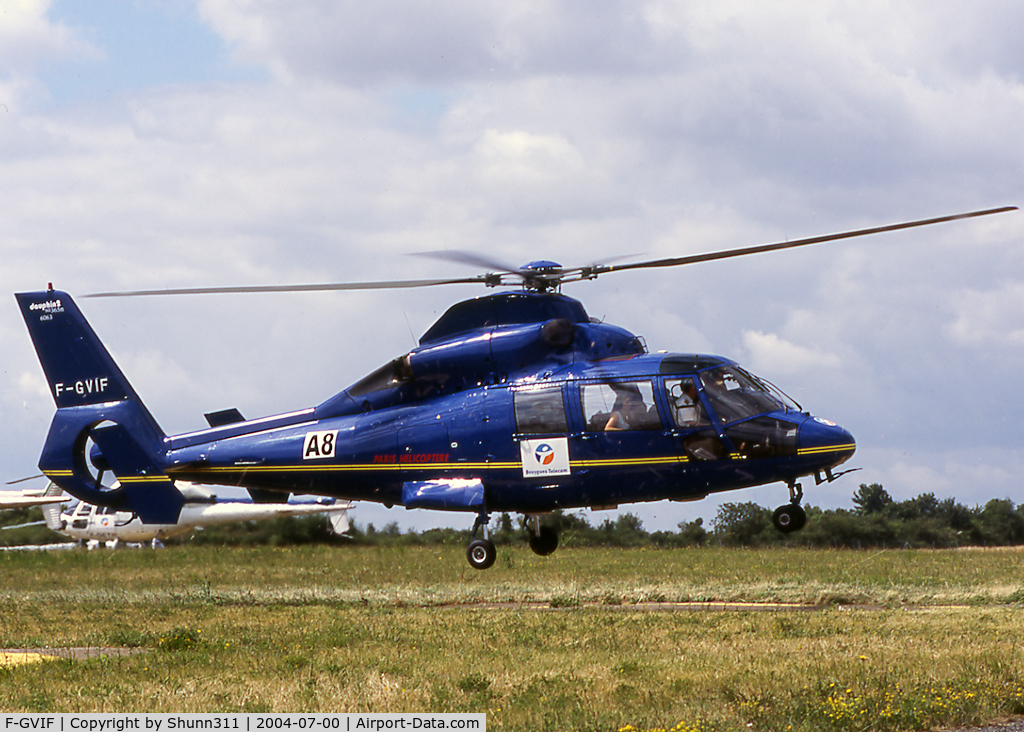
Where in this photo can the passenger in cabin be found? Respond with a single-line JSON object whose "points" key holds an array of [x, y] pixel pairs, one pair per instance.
{"points": [[629, 412], [620, 405]]}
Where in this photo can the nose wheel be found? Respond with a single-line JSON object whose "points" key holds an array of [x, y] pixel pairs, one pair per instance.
{"points": [[791, 517]]}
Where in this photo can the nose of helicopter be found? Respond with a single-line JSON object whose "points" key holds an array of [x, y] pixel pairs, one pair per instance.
{"points": [[823, 444]]}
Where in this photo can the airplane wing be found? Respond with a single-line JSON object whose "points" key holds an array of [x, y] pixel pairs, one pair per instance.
{"points": [[17, 499], [224, 512], [22, 526], [40, 547]]}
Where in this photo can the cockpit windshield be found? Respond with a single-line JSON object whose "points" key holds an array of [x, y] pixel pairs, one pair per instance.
{"points": [[392, 374], [736, 394]]}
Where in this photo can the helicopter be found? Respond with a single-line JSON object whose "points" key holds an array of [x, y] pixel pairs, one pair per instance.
{"points": [[513, 402]]}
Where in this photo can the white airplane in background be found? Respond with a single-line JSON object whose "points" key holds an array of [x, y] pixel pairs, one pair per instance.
{"points": [[109, 527], [28, 498]]}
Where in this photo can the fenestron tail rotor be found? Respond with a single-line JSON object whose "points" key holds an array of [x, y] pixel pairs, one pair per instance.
{"points": [[544, 276]]}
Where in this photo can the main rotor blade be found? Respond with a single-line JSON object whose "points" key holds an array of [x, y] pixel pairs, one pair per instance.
{"points": [[22, 480], [476, 260], [728, 253], [326, 287], [542, 279]]}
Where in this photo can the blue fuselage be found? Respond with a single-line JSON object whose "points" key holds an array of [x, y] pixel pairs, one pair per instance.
{"points": [[530, 418]]}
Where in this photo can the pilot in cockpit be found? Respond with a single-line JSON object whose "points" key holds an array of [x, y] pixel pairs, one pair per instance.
{"points": [[685, 403]]}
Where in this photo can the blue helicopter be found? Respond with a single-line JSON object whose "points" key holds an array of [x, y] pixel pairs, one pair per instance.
{"points": [[513, 402]]}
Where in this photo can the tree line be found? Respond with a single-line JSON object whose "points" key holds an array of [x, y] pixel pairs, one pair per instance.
{"points": [[876, 520], [879, 521]]}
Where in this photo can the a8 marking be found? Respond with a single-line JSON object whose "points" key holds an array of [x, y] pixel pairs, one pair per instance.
{"points": [[318, 445]]}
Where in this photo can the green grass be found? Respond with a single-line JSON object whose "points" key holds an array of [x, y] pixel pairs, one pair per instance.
{"points": [[934, 640], [440, 575]]}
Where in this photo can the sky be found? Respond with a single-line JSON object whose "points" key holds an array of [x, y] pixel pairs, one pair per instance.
{"points": [[175, 143]]}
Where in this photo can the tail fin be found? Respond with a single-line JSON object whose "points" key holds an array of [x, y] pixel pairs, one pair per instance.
{"points": [[51, 511], [339, 520], [91, 392]]}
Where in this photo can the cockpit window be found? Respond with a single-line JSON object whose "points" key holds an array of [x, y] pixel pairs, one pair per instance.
{"points": [[388, 376], [620, 405], [687, 410], [734, 394]]}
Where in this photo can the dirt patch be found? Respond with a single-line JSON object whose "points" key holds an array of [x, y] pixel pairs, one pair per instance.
{"points": [[16, 656]]}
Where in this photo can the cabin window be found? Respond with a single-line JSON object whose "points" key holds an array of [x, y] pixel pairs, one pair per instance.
{"points": [[619, 405], [540, 411], [687, 409]]}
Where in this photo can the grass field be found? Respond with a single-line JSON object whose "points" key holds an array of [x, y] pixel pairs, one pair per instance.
{"points": [[585, 639]]}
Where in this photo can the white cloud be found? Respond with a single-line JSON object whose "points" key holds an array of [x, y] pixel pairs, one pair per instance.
{"points": [[971, 476], [536, 178], [28, 36], [990, 319], [770, 353], [33, 385], [466, 40], [30, 40]]}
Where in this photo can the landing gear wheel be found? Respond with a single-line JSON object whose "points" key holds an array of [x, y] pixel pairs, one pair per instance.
{"points": [[789, 518], [481, 554], [545, 542]]}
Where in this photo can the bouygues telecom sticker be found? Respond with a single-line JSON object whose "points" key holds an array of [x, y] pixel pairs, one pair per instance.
{"points": [[545, 457]]}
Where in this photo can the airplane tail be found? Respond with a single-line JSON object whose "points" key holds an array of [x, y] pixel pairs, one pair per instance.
{"points": [[95, 403], [51, 511], [339, 520]]}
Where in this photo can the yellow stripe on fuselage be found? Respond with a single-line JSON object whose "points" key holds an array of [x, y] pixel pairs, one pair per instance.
{"points": [[406, 467], [627, 462], [826, 448]]}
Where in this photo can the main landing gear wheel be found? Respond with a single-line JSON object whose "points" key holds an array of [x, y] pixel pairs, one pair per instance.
{"points": [[481, 554], [545, 541], [789, 518]]}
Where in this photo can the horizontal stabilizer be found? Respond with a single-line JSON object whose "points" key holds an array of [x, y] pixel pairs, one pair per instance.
{"points": [[223, 417], [264, 495]]}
